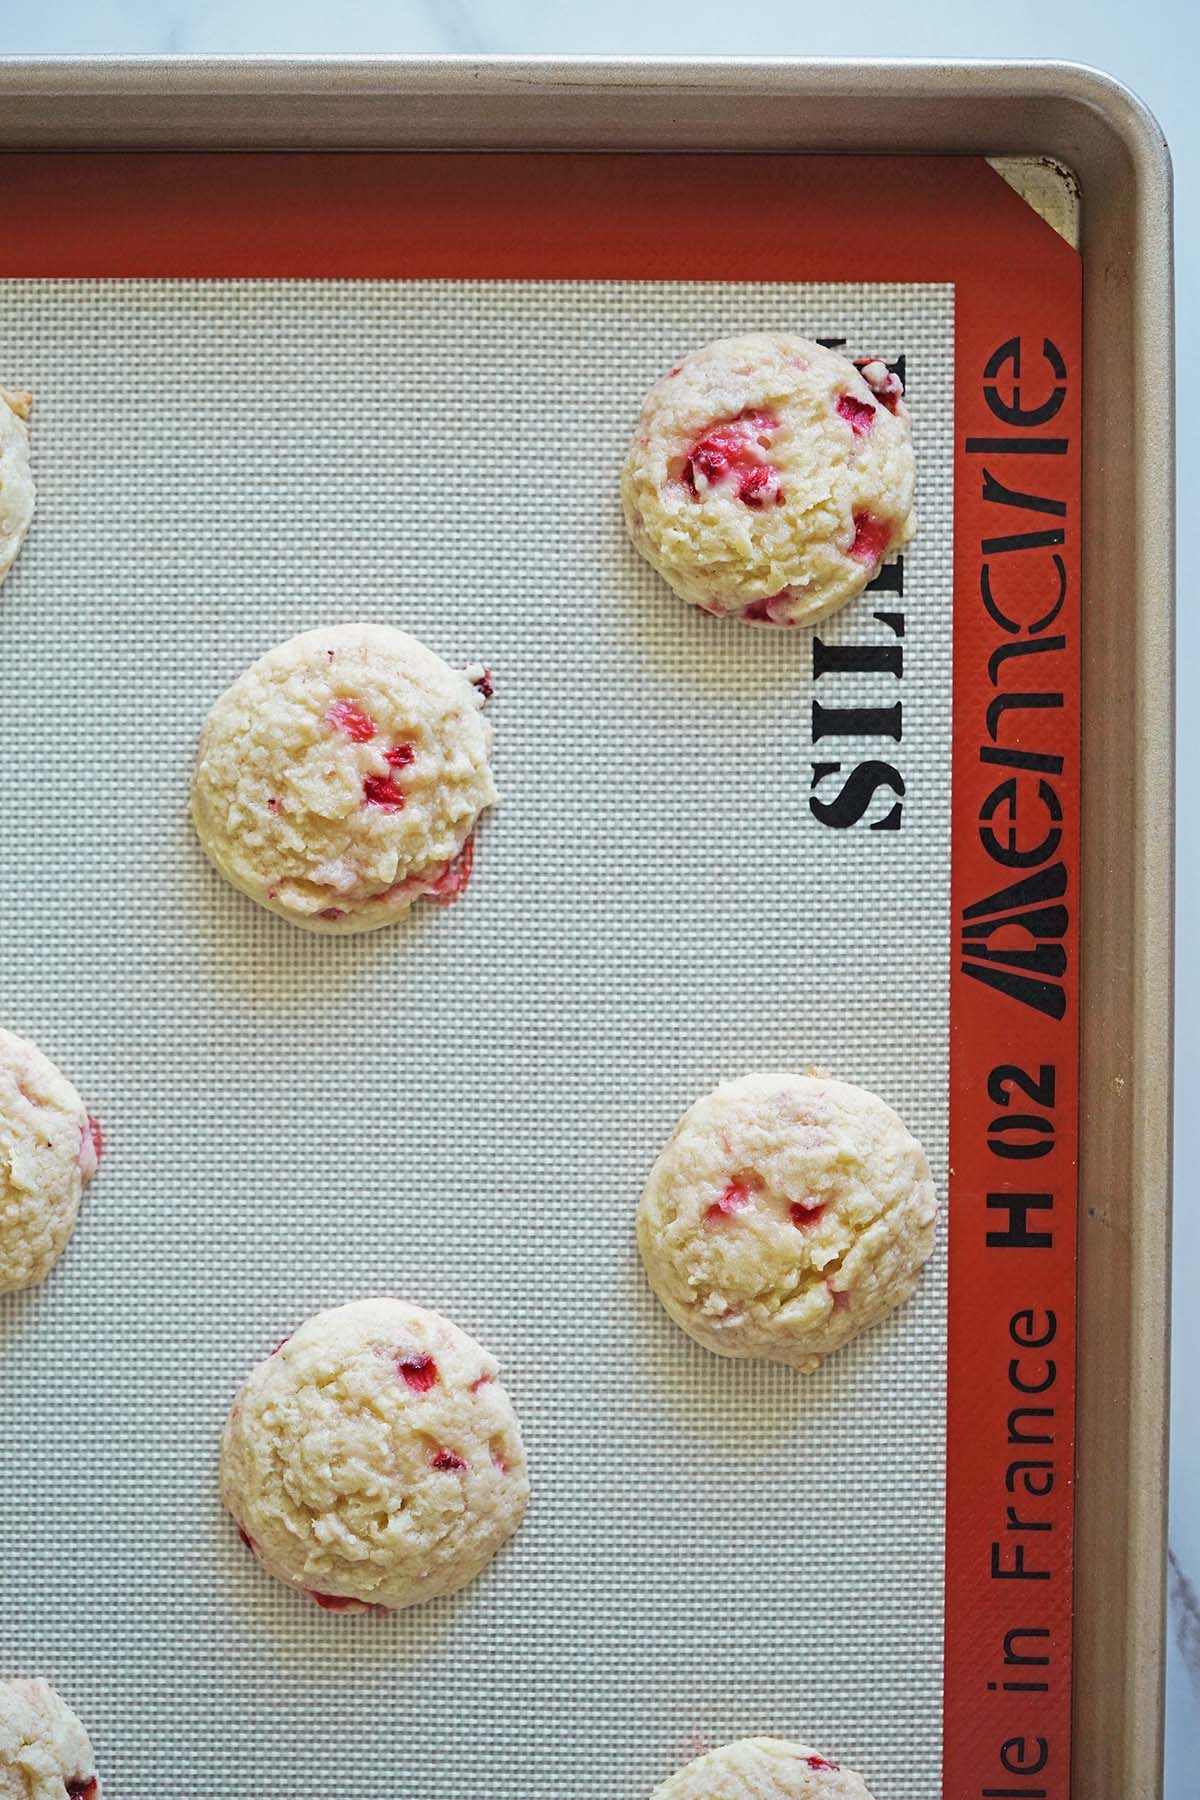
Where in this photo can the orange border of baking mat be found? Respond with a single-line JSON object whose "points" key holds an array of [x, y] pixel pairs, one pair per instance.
{"points": [[1015, 809]]}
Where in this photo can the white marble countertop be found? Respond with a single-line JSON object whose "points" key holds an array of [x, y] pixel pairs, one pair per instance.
{"points": [[1152, 48]]}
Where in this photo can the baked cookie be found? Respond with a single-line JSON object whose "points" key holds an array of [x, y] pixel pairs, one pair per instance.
{"points": [[341, 777], [769, 478], [44, 1750], [763, 1769], [786, 1214], [16, 478], [49, 1151], [374, 1460]]}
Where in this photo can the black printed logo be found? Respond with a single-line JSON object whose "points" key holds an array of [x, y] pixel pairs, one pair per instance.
{"points": [[1012, 941]]}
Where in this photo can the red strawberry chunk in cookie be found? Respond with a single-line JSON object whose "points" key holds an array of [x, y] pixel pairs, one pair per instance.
{"points": [[760, 610], [760, 486], [735, 1199], [454, 879], [711, 460], [399, 756], [821, 1762], [765, 611], [871, 538], [805, 1212], [447, 1462], [97, 1137], [81, 1789], [887, 387], [735, 454], [247, 1539], [420, 1372], [336, 1602], [858, 414], [381, 791], [332, 912], [343, 715]]}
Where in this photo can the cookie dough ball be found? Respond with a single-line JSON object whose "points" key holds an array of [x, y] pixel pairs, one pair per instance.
{"points": [[374, 1459], [49, 1151], [763, 1769], [786, 1214], [44, 1750], [770, 479], [16, 479], [341, 777]]}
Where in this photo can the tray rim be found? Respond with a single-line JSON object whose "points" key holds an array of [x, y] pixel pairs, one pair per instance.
{"points": [[1106, 136], [346, 82]]}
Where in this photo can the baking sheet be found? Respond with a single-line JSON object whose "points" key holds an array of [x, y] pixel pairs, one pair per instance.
{"points": [[462, 1109]]}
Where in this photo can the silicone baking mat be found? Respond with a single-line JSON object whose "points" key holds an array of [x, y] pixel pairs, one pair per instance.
{"points": [[463, 1109]]}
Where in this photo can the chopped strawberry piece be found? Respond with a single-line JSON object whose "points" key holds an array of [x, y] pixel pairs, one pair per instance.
{"points": [[872, 537], [735, 452], [765, 611], [735, 1199], [97, 1137], [343, 715], [805, 1212], [759, 486], [484, 683], [454, 879], [381, 791], [858, 414], [399, 756], [420, 1372], [481, 1381], [886, 386], [83, 1787], [821, 1762], [759, 611], [332, 912], [247, 1540], [447, 1462], [335, 1602], [840, 1298], [711, 460], [274, 805]]}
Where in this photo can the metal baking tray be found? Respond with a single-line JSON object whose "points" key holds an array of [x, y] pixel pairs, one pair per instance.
{"points": [[1114, 150]]}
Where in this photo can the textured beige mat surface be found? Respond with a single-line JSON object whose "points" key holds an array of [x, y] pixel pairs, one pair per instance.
{"points": [[462, 1109]]}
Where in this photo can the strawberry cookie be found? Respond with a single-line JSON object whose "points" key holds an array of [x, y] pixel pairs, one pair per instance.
{"points": [[49, 1151], [374, 1460], [763, 1769], [44, 1750], [341, 777], [769, 478], [786, 1214], [16, 481]]}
